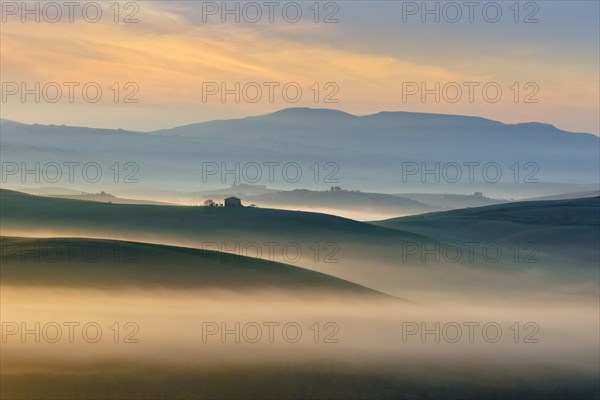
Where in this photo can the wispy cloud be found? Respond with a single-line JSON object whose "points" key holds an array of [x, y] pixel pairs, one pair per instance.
{"points": [[169, 54]]}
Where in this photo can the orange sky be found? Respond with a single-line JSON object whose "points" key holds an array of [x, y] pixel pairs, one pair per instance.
{"points": [[170, 57]]}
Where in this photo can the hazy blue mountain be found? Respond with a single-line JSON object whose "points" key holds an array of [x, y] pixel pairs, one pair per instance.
{"points": [[368, 152]]}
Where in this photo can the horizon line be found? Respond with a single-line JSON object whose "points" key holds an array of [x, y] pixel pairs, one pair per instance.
{"points": [[298, 109]]}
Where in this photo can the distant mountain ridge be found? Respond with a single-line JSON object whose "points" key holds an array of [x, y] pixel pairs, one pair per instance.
{"points": [[303, 114], [369, 152]]}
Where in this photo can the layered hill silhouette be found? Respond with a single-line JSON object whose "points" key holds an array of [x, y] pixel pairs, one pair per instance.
{"points": [[368, 151], [20, 210], [402, 257], [337, 246], [565, 233], [341, 201], [110, 264]]}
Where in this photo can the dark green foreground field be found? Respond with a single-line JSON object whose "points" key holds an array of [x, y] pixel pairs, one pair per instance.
{"points": [[402, 381], [110, 264]]}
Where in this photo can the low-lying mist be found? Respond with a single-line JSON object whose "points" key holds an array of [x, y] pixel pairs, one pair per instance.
{"points": [[219, 326], [198, 340], [382, 265]]}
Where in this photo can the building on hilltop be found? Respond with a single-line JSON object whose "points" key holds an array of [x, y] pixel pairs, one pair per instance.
{"points": [[233, 202]]}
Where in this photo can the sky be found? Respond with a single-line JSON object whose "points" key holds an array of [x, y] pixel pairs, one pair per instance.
{"points": [[147, 65]]}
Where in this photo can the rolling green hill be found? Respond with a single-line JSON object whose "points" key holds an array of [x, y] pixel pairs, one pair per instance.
{"points": [[404, 257], [109, 264], [343, 200], [565, 231], [186, 224], [348, 249]]}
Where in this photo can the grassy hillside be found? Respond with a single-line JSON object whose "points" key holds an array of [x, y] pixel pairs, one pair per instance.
{"points": [[343, 199], [101, 197], [71, 262], [22, 211], [404, 257], [329, 244], [567, 196], [567, 230]]}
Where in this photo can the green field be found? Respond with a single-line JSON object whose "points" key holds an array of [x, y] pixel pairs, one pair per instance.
{"points": [[110, 264]]}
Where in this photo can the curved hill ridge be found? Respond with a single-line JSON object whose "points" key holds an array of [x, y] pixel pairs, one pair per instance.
{"points": [[30, 211], [556, 241], [111, 264], [573, 211], [566, 232]]}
